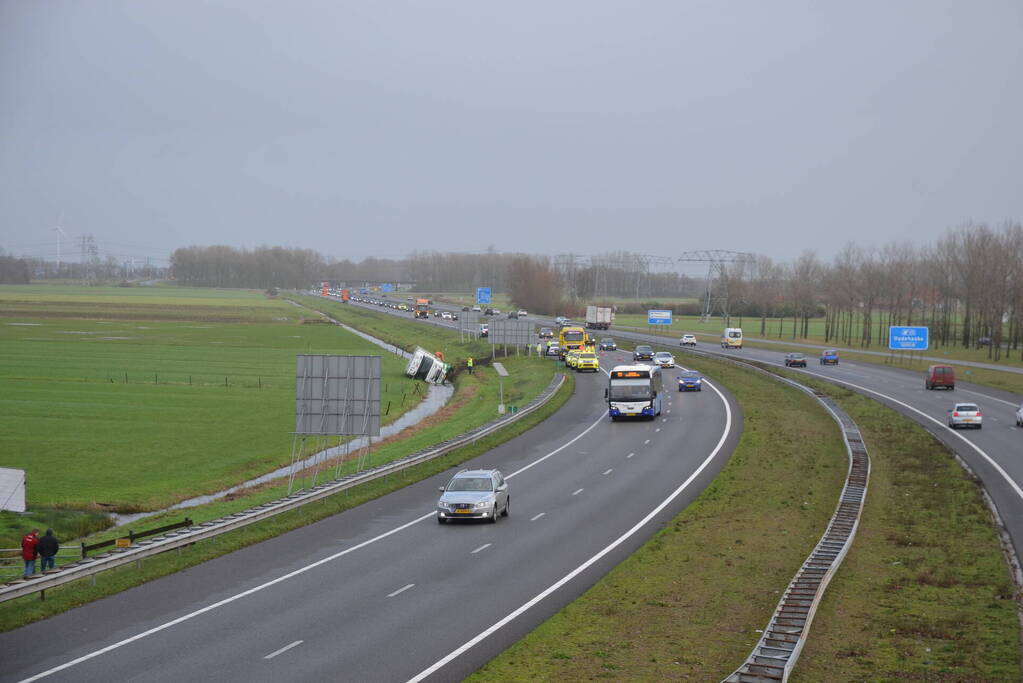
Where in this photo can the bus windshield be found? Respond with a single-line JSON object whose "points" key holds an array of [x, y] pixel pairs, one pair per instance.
{"points": [[630, 390], [573, 336]]}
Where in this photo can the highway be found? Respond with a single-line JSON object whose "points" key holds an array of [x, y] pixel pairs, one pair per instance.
{"points": [[994, 453], [384, 593]]}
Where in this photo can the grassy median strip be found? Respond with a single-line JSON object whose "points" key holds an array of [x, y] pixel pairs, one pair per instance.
{"points": [[481, 407], [925, 589], [686, 606], [925, 593]]}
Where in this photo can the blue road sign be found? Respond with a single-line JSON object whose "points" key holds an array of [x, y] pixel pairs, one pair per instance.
{"points": [[386, 287], [908, 338], [658, 317], [483, 295]]}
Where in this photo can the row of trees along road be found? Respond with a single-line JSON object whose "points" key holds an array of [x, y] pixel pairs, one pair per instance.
{"points": [[967, 286]]}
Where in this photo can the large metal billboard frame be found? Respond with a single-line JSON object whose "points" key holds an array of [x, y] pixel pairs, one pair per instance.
{"points": [[337, 395]]}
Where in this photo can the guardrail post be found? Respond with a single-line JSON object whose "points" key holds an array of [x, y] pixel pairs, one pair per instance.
{"points": [[83, 550]]}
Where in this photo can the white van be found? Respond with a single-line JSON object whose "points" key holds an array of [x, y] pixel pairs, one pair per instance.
{"points": [[731, 338]]}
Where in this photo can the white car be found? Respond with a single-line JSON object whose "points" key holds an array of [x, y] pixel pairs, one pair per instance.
{"points": [[1019, 416], [687, 340], [965, 415], [664, 359], [522, 313], [476, 309], [446, 315]]}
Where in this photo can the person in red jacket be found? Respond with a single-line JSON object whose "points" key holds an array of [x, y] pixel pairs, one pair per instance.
{"points": [[28, 551]]}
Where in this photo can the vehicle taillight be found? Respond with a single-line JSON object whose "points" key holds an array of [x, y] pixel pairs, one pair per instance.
{"points": [[978, 413], [955, 413]]}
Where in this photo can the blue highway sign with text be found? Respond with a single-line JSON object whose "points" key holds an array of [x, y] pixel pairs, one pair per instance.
{"points": [[902, 338]]}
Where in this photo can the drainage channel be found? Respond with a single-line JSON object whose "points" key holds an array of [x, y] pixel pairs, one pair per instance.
{"points": [[437, 395], [774, 657]]}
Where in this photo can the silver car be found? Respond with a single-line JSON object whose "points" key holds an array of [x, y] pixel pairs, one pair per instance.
{"points": [[965, 415], [474, 494], [664, 359]]}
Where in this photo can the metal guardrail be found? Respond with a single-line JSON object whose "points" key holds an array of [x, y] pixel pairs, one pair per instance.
{"points": [[141, 549], [774, 656]]}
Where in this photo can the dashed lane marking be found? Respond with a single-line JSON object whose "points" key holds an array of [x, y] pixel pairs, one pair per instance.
{"points": [[284, 649], [400, 590]]}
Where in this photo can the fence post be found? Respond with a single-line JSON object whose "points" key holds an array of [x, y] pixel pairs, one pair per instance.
{"points": [[83, 550]]}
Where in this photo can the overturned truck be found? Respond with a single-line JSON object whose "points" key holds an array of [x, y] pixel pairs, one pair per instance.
{"points": [[427, 367]]}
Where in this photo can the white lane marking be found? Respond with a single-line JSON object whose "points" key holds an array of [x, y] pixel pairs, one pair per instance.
{"points": [[646, 442], [664, 419], [279, 579], [400, 590], [536, 517], [559, 448], [482, 547], [576, 493], [980, 451], [454, 654], [658, 429], [668, 411], [991, 398], [283, 649], [630, 455], [608, 472]]}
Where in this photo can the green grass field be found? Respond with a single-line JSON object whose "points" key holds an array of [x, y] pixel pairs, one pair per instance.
{"points": [[924, 594], [119, 415], [137, 414]]}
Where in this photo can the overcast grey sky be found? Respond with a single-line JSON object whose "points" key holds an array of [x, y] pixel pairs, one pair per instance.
{"points": [[376, 128]]}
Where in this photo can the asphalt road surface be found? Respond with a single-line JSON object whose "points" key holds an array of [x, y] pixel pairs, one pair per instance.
{"points": [[384, 593], [994, 453]]}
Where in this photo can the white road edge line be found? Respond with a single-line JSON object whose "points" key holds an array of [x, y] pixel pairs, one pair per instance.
{"points": [[990, 460], [576, 493], [536, 517], [608, 472], [585, 565], [400, 590], [482, 547], [283, 649], [256, 589], [630, 455]]}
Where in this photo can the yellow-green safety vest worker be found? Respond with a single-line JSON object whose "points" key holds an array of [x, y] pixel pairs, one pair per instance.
{"points": [[469, 363]]}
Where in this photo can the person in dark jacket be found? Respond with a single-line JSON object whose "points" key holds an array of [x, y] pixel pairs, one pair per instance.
{"points": [[48, 547], [28, 551]]}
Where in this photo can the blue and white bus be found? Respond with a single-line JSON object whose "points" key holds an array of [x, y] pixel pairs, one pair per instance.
{"points": [[634, 391]]}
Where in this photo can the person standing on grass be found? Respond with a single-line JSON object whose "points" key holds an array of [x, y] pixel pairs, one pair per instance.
{"points": [[29, 552], [48, 547], [468, 363]]}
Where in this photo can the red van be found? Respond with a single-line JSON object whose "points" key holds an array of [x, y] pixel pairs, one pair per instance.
{"points": [[940, 376]]}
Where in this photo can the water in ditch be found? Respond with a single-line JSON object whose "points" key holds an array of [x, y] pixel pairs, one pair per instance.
{"points": [[437, 395]]}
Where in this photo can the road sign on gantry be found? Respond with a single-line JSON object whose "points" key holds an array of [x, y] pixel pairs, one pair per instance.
{"points": [[654, 317], [337, 395], [902, 338], [482, 295]]}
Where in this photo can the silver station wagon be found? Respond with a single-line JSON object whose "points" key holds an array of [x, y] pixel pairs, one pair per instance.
{"points": [[474, 494]]}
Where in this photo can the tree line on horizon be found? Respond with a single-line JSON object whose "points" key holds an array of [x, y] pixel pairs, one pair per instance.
{"points": [[967, 286]]}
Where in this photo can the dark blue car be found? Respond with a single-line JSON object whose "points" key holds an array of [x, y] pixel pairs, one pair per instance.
{"points": [[829, 357], [690, 380]]}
